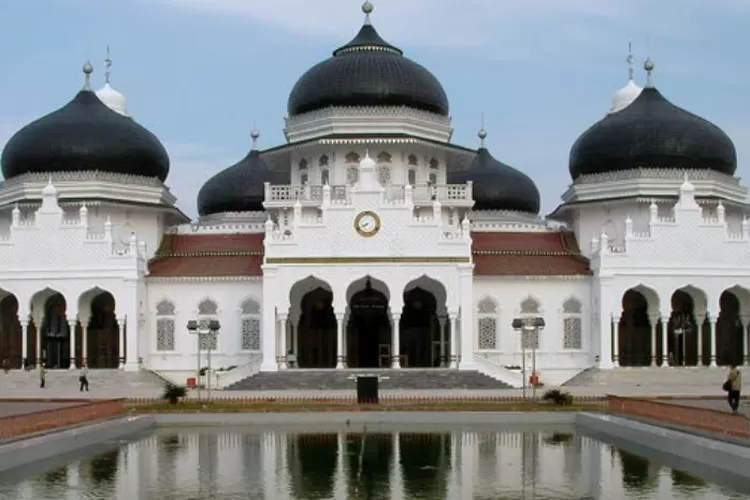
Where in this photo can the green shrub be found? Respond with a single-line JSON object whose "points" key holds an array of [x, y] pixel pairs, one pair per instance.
{"points": [[174, 393], [558, 397]]}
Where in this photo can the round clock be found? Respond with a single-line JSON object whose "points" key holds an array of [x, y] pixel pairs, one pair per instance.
{"points": [[367, 223]]}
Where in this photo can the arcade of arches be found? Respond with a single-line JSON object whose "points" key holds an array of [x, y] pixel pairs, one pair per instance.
{"points": [[369, 334], [688, 336], [52, 337]]}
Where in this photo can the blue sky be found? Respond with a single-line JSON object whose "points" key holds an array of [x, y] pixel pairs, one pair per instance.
{"points": [[200, 73]]}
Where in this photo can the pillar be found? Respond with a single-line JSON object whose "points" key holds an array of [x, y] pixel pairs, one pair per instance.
{"points": [[282, 336], [745, 357], [712, 348], [72, 329], [699, 320], [24, 341], [121, 346], [38, 322], [339, 481], [654, 319], [396, 474], [443, 323], [269, 339], [340, 357], [270, 461], [454, 339], [396, 340], [84, 341], [664, 354], [615, 339], [466, 337]]}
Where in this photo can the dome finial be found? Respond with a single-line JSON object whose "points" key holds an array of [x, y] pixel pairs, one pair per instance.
{"points": [[482, 134], [631, 61], [254, 136], [107, 68], [367, 8], [87, 70], [649, 66]]}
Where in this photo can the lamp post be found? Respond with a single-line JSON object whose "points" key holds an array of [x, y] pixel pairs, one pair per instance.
{"points": [[682, 327], [528, 326], [204, 330]]}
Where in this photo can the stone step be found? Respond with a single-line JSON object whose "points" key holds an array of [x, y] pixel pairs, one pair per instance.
{"points": [[663, 377], [302, 379], [114, 379]]}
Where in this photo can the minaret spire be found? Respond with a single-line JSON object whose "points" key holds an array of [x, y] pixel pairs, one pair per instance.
{"points": [[631, 61], [367, 8], [482, 134], [87, 70], [649, 66], [108, 68]]}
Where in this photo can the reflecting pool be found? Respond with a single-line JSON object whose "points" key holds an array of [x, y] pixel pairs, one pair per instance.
{"points": [[229, 464]]}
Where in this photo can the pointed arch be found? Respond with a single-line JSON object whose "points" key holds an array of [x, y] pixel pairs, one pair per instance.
{"points": [[572, 323], [384, 157], [352, 157], [208, 309], [250, 324], [487, 331], [413, 160], [316, 326], [531, 305], [166, 314], [11, 332]]}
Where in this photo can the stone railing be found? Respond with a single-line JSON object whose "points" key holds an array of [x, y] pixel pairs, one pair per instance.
{"points": [[249, 369], [307, 194], [13, 426], [705, 419]]}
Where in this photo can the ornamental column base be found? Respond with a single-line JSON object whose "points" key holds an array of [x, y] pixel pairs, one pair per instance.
{"points": [[340, 362]]}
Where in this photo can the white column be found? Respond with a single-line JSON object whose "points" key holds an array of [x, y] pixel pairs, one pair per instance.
{"points": [[745, 341], [699, 319], [665, 355], [443, 322], [24, 341], [269, 339], [396, 474], [465, 352], [396, 340], [654, 319], [454, 339], [340, 357], [38, 322], [282, 317], [270, 463], [121, 326], [85, 341], [712, 351], [72, 335], [339, 480], [615, 339]]}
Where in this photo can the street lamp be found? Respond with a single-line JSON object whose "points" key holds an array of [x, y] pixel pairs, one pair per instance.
{"points": [[682, 327], [204, 330], [528, 326]]}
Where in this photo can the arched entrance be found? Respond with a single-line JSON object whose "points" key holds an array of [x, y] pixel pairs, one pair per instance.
{"points": [[368, 329], [682, 331], [418, 328], [634, 330], [730, 334], [11, 344], [55, 334], [103, 335], [316, 330]]}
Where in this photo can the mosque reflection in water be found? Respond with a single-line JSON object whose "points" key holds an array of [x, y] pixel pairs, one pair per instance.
{"points": [[365, 465]]}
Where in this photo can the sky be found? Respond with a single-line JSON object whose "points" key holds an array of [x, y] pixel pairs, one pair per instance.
{"points": [[201, 73]]}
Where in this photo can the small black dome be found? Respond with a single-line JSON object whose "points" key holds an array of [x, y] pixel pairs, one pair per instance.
{"points": [[85, 135], [652, 133], [498, 186], [368, 71], [239, 188]]}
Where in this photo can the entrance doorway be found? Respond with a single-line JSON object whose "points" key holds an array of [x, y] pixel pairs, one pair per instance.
{"points": [[419, 325], [369, 329], [55, 334], [103, 334], [316, 330]]}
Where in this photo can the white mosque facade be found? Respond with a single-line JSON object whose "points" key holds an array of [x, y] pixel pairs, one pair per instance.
{"points": [[370, 240]]}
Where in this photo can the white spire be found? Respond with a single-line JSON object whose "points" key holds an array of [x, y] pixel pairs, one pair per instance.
{"points": [[630, 92], [113, 99]]}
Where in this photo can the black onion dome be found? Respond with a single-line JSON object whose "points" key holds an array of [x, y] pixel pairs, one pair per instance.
{"points": [[652, 133], [239, 188], [85, 135], [498, 186], [368, 71]]}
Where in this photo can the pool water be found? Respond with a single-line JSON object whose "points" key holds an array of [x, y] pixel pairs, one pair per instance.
{"points": [[229, 464]]}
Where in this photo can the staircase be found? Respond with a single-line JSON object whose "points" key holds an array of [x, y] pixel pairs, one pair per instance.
{"points": [[64, 384], [694, 378], [302, 379]]}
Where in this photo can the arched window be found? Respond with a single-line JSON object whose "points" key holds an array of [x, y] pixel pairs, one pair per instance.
{"points": [[487, 324], [530, 338], [434, 163], [572, 324], [302, 164], [412, 177], [384, 157], [250, 325], [207, 310], [165, 326], [433, 179], [352, 157], [323, 161], [303, 179], [384, 176], [325, 177], [413, 160], [352, 175]]}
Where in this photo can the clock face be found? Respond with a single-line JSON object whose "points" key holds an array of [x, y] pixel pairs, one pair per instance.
{"points": [[367, 223]]}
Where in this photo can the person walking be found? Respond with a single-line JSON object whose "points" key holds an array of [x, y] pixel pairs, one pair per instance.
{"points": [[83, 378], [734, 387], [42, 375]]}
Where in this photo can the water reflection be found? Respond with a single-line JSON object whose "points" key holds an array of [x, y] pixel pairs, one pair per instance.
{"points": [[360, 464]]}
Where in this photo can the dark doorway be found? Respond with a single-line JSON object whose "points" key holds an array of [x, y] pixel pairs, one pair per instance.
{"points": [[55, 334], [730, 335], [316, 331], [634, 334], [103, 343], [11, 343], [682, 331], [419, 325], [369, 329]]}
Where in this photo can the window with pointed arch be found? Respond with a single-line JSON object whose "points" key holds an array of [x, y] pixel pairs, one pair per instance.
{"points": [[384, 176], [572, 324], [413, 160], [250, 325], [352, 175], [325, 177], [207, 310], [487, 324], [530, 307], [412, 177], [384, 157], [165, 326]]}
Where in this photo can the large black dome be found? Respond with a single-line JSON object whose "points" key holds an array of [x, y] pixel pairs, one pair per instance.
{"points": [[368, 71], [498, 186], [85, 135], [239, 188], [652, 133]]}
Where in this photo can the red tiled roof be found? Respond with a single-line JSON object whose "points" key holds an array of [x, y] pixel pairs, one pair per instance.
{"points": [[527, 254], [204, 255]]}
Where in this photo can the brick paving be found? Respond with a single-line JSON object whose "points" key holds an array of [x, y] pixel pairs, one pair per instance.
{"points": [[17, 408]]}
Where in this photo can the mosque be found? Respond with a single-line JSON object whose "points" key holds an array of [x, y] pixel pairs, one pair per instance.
{"points": [[368, 240]]}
